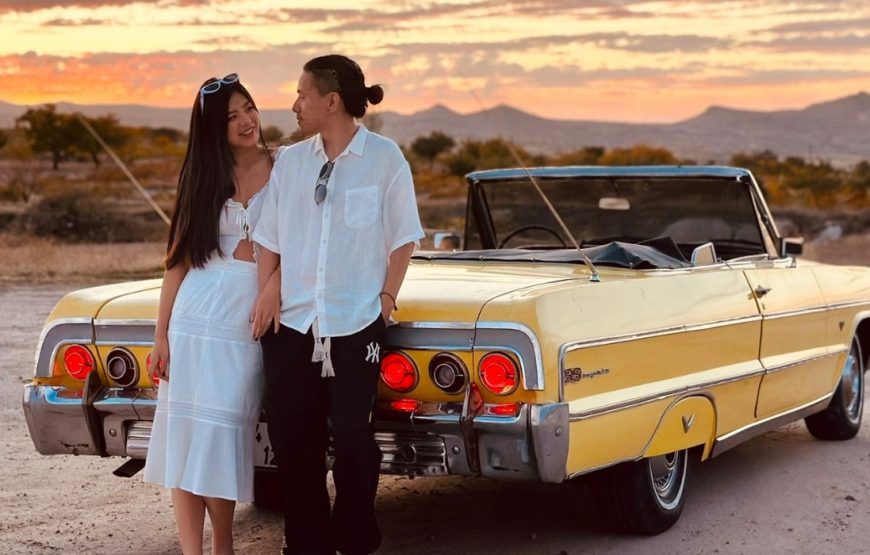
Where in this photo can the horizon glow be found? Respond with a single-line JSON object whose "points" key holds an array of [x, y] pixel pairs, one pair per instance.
{"points": [[618, 60]]}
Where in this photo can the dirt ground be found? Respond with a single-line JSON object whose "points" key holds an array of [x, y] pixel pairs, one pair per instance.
{"points": [[783, 492]]}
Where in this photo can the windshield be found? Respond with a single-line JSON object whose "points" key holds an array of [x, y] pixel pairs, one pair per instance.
{"points": [[688, 210]]}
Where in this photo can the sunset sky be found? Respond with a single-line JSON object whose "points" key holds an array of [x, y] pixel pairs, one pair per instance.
{"points": [[618, 60]]}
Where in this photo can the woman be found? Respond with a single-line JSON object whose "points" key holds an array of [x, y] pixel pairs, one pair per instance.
{"points": [[202, 442]]}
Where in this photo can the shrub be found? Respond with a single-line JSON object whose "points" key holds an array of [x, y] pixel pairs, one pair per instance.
{"points": [[72, 216]]}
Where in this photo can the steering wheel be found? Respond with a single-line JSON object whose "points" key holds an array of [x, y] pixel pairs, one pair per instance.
{"points": [[530, 227]]}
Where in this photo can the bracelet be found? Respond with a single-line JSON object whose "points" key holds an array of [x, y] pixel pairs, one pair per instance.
{"points": [[392, 298]]}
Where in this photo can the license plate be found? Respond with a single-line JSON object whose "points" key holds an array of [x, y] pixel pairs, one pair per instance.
{"points": [[264, 456]]}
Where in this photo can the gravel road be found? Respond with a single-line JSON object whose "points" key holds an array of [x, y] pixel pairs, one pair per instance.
{"points": [[783, 492]]}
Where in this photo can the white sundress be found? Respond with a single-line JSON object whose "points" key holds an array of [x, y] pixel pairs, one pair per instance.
{"points": [[202, 440]]}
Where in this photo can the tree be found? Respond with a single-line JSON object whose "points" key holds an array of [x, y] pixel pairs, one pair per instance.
{"points": [[108, 128], [819, 179], [23, 179], [859, 183], [766, 168], [431, 146], [165, 133], [272, 134], [3, 139], [485, 155], [48, 131], [764, 163], [638, 155], [586, 156]]}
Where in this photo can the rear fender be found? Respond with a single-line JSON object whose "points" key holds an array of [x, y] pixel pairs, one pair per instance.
{"points": [[687, 423]]}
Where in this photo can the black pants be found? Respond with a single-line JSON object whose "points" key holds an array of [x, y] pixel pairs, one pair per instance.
{"points": [[298, 403]]}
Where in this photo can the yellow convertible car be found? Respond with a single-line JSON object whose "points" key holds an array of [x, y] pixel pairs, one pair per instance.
{"points": [[625, 322]]}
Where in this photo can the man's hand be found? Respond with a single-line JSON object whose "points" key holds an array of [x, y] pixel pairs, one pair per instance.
{"points": [[387, 307]]}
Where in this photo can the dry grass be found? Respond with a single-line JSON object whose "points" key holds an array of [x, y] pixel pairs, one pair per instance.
{"points": [[28, 259]]}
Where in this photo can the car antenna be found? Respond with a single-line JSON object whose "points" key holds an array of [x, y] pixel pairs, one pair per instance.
{"points": [[595, 277]]}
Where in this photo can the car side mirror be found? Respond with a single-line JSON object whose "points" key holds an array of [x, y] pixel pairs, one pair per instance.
{"points": [[446, 241], [704, 255], [791, 246]]}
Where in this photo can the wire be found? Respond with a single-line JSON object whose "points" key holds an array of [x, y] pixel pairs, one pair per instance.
{"points": [[595, 277], [124, 169]]}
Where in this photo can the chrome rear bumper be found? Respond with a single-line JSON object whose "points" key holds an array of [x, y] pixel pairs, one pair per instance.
{"points": [[436, 439], [93, 421]]}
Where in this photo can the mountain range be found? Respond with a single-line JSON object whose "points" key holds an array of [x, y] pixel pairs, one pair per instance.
{"points": [[836, 130]]}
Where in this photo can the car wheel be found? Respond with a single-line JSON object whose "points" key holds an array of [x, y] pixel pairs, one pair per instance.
{"points": [[267, 489], [842, 418], [645, 496]]}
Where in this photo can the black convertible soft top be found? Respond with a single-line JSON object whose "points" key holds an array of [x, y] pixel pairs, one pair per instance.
{"points": [[660, 252]]}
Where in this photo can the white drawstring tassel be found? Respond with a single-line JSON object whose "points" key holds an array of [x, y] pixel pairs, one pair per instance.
{"points": [[322, 347], [319, 353], [328, 371]]}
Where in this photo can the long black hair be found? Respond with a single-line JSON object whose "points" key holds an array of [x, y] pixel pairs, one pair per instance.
{"points": [[207, 178], [339, 74]]}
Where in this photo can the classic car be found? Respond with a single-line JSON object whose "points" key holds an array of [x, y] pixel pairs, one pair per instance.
{"points": [[622, 321]]}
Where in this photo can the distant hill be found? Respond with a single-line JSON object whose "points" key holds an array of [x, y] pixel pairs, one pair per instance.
{"points": [[838, 130]]}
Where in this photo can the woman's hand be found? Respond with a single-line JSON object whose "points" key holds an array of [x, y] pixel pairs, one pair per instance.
{"points": [[267, 310], [159, 361]]}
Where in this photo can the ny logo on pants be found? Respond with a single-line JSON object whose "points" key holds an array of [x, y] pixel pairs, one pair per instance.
{"points": [[373, 353]]}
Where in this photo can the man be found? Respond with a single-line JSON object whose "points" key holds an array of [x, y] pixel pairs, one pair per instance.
{"points": [[341, 217]]}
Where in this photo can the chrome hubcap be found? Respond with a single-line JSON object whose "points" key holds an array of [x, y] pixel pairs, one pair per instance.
{"points": [[668, 473], [851, 384]]}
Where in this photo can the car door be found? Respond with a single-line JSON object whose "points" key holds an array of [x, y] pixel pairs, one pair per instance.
{"points": [[795, 350]]}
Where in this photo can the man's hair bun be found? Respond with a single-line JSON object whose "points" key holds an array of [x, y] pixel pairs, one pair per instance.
{"points": [[375, 94]]}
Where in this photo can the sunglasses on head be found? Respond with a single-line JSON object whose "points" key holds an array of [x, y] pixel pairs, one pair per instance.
{"points": [[214, 87], [322, 180]]}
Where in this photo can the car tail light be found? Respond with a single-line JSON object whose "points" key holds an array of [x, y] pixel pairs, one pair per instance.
{"points": [[122, 368], [448, 372], [405, 405], [498, 372], [78, 361], [399, 372], [505, 409], [155, 378]]}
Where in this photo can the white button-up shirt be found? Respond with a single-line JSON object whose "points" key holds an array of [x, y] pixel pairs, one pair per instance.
{"points": [[334, 256]]}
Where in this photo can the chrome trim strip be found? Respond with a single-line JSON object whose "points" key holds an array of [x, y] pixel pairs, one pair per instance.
{"points": [[849, 304], [631, 403], [432, 336], [692, 389], [787, 365], [793, 313], [52, 338], [601, 467], [438, 325], [658, 396], [601, 341], [405, 346], [108, 343], [123, 331], [127, 322], [533, 381], [734, 438], [598, 341]]}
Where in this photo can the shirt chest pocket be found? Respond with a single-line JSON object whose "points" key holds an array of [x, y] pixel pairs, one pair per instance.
{"points": [[361, 206]]}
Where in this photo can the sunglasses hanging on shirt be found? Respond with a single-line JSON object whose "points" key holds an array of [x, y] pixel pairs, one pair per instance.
{"points": [[322, 180]]}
